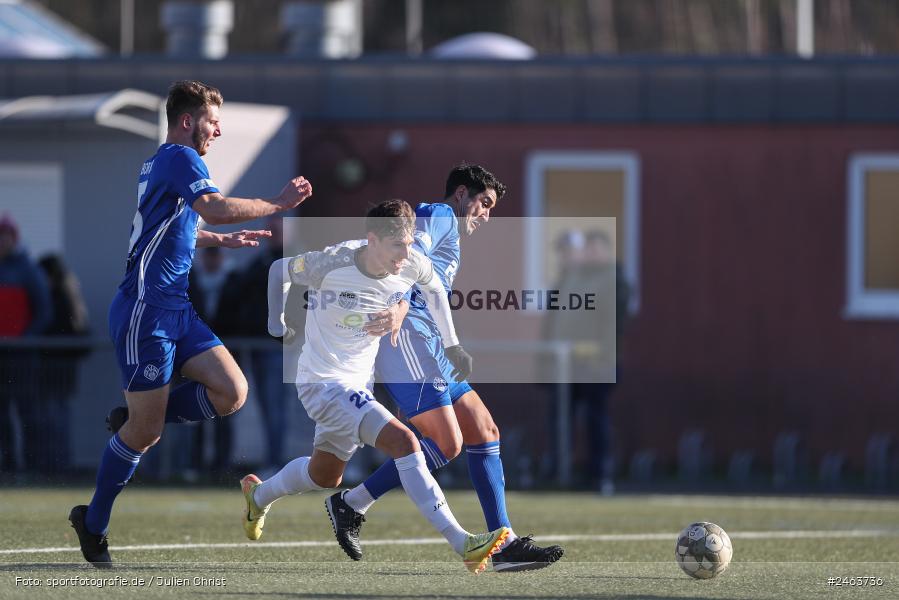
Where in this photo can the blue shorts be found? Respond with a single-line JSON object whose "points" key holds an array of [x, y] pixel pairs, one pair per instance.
{"points": [[417, 373], [151, 343]]}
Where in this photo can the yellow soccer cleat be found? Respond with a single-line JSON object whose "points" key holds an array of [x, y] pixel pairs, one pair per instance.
{"points": [[254, 517], [480, 547]]}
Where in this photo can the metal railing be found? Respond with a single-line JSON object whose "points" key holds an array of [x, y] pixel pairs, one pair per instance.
{"points": [[42, 348]]}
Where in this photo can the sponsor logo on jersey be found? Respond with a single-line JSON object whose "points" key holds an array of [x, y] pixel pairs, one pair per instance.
{"points": [[394, 298], [200, 184], [439, 384], [353, 320], [347, 300], [151, 372]]}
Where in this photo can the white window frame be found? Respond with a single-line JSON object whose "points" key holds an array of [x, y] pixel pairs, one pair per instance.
{"points": [[537, 164], [862, 303], [43, 232]]}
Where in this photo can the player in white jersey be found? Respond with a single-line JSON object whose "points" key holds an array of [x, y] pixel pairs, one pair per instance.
{"points": [[349, 285], [441, 405]]}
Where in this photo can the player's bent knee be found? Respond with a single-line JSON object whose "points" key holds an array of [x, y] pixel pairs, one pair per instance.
{"points": [[451, 447], [453, 452], [239, 393], [139, 441], [409, 443], [239, 400], [326, 481], [485, 432], [329, 482], [232, 396], [404, 443], [144, 444], [397, 441]]}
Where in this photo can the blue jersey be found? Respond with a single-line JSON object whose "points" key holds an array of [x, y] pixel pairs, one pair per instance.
{"points": [[416, 373], [164, 231], [437, 237]]}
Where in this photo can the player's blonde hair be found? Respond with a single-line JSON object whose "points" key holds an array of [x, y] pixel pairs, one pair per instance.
{"points": [[189, 96], [391, 218]]}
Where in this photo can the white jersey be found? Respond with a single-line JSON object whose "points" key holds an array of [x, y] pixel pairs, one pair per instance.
{"points": [[340, 300]]}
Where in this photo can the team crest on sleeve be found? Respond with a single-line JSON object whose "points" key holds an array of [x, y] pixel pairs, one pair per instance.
{"points": [[347, 300], [299, 264], [394, 298]]}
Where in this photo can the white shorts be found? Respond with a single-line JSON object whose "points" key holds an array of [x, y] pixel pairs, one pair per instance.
{"points": [[338, 412]]}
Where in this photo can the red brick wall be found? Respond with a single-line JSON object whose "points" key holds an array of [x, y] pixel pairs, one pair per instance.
{"points": [[743, 250]]}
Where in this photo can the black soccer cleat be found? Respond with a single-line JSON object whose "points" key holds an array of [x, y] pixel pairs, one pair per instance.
{"points": [[522, 554], [116, 418], [346, 523], [95, 548]]}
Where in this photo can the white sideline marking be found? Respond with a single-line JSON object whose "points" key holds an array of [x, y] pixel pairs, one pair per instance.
{"points": [[610, 537], [779, 502]]}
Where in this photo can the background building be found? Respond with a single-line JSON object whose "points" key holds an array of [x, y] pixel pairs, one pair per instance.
{"points": [[753, 195]]}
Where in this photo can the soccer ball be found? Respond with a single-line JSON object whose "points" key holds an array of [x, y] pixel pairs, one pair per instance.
{"points": [[703, 550]]}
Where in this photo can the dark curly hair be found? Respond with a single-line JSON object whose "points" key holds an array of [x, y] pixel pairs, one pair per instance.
{"points": [[475, 178]]}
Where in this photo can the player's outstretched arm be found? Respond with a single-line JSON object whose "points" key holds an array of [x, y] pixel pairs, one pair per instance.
{"points": [[217, 209], [439, 307], [278, 288], [283, 273], [236, 239], [436, 300]]}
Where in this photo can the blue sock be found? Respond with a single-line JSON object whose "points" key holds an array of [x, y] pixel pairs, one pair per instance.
{"points": [[189, 402], [387, 477], [486, 470], [116, 468]]}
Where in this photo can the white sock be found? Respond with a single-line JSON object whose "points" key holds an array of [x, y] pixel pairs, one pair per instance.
{"points": [[292, 479], [359, 499], [425, 492], [509, 539]]}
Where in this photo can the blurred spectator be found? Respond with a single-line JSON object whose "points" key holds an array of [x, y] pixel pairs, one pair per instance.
{"points": [[24, 300], [569, 248], [58, 368], [24, 311], [215, 291], [587, 266], [600, 273]]}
